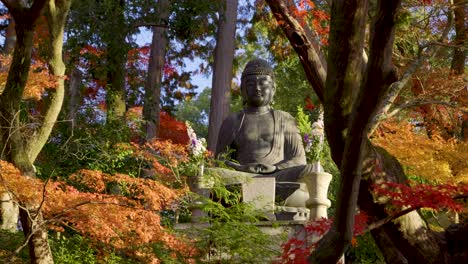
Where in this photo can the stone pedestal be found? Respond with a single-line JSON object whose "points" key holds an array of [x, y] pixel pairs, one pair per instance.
{"points": [[260, 192]]}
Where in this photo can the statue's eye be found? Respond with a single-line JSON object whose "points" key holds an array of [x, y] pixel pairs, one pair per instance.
{"points": [[264, 82]]}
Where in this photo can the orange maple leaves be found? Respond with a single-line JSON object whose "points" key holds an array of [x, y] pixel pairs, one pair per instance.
{"points": [[118, 211], [39, 79]]}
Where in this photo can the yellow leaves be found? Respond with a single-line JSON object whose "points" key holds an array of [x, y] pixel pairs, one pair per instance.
{"points": [[433, 159]]}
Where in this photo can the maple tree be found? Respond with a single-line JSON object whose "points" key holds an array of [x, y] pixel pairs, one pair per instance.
{"points": [[92, 162], [128, 219], [353, 88], [16, 146]]}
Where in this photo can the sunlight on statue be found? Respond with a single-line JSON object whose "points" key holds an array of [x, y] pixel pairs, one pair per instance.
{"points": [[263, 142]]}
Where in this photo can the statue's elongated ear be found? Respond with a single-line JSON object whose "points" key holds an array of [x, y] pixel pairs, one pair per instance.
{"points": [[243, 92]]}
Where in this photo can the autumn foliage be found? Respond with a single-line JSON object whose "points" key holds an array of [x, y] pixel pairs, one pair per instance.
{"points": [[39, 79], [434, 159], [114, 211]]}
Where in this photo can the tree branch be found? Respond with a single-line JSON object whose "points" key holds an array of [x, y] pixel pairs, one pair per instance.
{"points": [[415, 103], [146, 24], [389, 218], [424, 53], [13, 6], [310, 55], [56, 19]]}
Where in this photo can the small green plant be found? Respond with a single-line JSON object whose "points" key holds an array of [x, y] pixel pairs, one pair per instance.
{"points": [[72, 249], [312, 135], [232, 235], [9, 242], [365, 251]]}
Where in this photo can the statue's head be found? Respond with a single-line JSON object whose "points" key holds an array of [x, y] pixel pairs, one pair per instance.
{"points": [[258, 83]]}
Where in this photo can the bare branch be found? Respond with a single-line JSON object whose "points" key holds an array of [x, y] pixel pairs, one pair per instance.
{"points": [[425, 52], [414, 103], [460, 196], [389, 218], [146, 24], [448, 45], [307, 48]]}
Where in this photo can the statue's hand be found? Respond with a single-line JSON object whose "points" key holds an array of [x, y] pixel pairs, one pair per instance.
{"points": [[252, 167], [260, 168]]}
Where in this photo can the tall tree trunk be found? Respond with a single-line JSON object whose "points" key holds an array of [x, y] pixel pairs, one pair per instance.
{"points": [[459, 53], [116, 57], [222, 70], [152, 104]]}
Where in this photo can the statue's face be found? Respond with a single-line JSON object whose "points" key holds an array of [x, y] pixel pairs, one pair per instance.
{"points": [[259, 90]]}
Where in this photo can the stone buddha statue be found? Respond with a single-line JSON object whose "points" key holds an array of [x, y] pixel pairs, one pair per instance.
{"points": [[261, 139], [263, 142]]}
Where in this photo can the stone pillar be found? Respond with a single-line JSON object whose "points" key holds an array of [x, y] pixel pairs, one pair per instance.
{"points": [[318, 203], [197, 186]]}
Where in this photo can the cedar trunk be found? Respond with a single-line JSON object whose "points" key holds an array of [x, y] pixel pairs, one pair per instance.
{"points": [[116, 57], [222, 70], [152, 105]]}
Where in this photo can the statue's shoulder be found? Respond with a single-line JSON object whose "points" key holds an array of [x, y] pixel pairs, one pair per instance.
{"points": [[283, 114], [233, 119]]}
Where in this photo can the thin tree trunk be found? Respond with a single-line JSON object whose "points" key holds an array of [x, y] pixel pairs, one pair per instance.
{"points": [[222, 70], [459, 53], [57, 15], [152, 105], [116, 58], [9, 210], [343, 80], [73, 95]]}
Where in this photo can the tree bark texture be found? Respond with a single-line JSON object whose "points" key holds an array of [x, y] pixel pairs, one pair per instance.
{"points": [[152, 104], [73, 95], [459, 53], [222, 70], [19, 145], [350, 103], [116, 57]]}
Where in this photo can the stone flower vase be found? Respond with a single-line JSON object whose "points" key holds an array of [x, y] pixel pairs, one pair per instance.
{"points": [[318, 203]]}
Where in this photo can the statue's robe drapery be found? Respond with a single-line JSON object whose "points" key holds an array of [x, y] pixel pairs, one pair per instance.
{"points": [[286, 153]]}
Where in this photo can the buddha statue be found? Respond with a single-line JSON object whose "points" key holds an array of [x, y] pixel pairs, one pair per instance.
{"points": [[263, 142]]}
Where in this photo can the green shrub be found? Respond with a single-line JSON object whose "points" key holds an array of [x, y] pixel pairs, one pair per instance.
{"points": [[76, 249], [9, 242]]}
